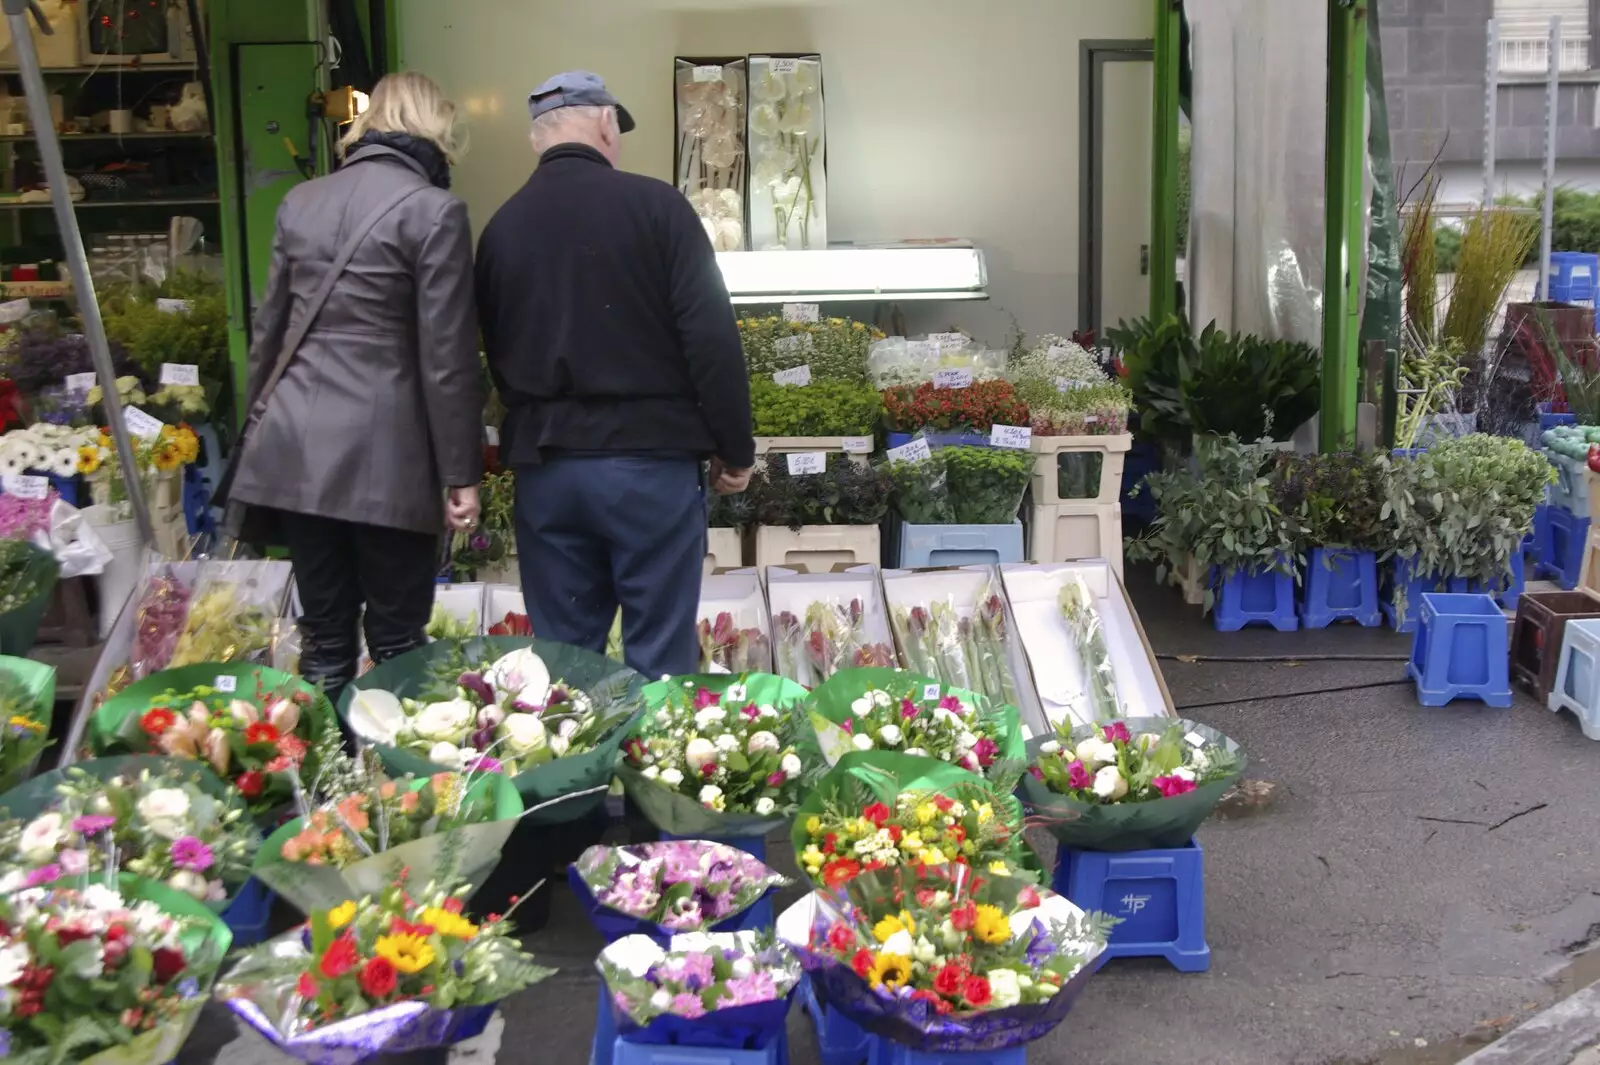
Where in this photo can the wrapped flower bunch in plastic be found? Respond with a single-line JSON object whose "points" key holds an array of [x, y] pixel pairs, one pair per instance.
{"points": [[27, 705], [726, 646], [947, 958], [658, 889], [1130, 785]]}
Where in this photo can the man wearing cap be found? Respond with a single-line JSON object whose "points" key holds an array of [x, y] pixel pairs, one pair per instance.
{"points": [[612, 341]]}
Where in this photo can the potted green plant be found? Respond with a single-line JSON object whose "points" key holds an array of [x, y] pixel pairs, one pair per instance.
{"points": [[1079, 421], [816, 520], [1339, 500]]}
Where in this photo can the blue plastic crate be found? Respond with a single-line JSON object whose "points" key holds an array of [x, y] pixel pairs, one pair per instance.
{"points": [[1577, 680], [1258, 598], [1403, 598], [1567, 540], [1538, 543], [1142, 461], [1159, 896], [626, 1053], [841, 1040], [1549, 419], [1461, 650], [887, 1053], [250, 915], [1341, 584], [959, 545], [1574, 276]]}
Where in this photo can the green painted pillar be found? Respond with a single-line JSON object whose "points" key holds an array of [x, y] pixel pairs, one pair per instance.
{"points": [[1164, 159], [1346, 238]]}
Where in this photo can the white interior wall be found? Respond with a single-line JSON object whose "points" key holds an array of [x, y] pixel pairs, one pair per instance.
{"points": [[945, 117]]}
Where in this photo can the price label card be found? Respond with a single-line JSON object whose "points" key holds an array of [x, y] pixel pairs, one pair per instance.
{"points": [[801, 312], [24, 487], [1017, 437], [491, 435], [1057, 351], [791, 345], [141, 424], [802, 463], [1090, 419], [800, 375], [1071, 384], [80, 382], [948, 340], [952, 379], [708, 73], [921, 349], [784, 66], [166, 306], [227, 683], [858, 445], [13, 311], [930, 691], [1195, 739], [916, 451], [179, 373]]}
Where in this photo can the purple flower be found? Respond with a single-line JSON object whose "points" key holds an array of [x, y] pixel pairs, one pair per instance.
{"points": [[1040, 948], [484, 764], [474, 683], [74, 863], [757, 987], [1078, 776], [89, 824], [908, 709], [479, 542], [45, 874], [688, 1006], [190, 853]]}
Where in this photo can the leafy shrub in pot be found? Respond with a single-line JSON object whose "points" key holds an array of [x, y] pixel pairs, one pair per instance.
{"points": [[826, 408], [978, 408], [846, 493]]}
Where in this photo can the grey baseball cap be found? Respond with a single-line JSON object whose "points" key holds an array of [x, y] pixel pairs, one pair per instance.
{"points": [[576, 88]]}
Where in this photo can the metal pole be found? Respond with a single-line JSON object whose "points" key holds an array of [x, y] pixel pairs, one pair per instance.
{"points": [[1345, 232], [1491, 108], [1552, 100], [94, 329], [1164, 161]]}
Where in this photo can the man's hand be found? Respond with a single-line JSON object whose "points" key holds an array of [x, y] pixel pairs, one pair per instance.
{"points": [[462, 510], [726, 481]]}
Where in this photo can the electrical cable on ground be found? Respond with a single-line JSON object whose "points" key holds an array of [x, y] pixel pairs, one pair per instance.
{"points": [[1298, 695]]}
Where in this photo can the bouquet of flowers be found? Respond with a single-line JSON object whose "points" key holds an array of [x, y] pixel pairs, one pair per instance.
{"points": [[27, 703], [387, 974], [727, 647], [947, 958], [28, 575], [659, 889], [103, 975], [717, 756], [1130, 785], [357, 829], [254, 726], [887, 710], [967, 650], [1083, 619], [172, 823], [494, 703], [721, 989], [877, 810]]}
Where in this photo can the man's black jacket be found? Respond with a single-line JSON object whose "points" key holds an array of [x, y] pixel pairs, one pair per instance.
{"points": [[606, 321]]}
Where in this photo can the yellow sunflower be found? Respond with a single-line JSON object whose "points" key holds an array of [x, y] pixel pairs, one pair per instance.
{"points": [[88, 459], [167, 457], [885, 929], [447, 924], [407, 952], [890, 970], [342, 914], [991, 926]]}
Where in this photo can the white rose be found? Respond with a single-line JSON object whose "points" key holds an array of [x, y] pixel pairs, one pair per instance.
{"points": [[765, 806], [899, 943], [671, 777], [711, 715], [1108, 783], [743, 967], [924, 951], [1004, 988], [190, 883], [13, 959], [699, 753], [918, 751], [524, 734], [1095, 751], [652, 772], [881, 698], [862, 706], [448, 755], [444, 722], [1049, 747], [966, 741], [761, 742], [711, 797], [1146, 742], [891, 735], [1184, 773], [862, 742], [164, 811], [769, 711], [559, 746], [727, 742], [791, 765], [41, 838]]}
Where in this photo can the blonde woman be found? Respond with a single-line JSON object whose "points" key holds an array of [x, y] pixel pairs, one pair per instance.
{"points": [[364, 436]]}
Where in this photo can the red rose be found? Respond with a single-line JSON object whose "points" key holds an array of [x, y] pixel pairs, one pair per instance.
{"points": [[877, 813], [340, 957], [708, 769], [261, 732], [378, 978], [840, 872], [948, 982], [975, 989], [963, 915], [70, 934], [307, 986], [862, 963], [830, 843], [250, 784], [167, 963], [155, 722], [840, 938]]}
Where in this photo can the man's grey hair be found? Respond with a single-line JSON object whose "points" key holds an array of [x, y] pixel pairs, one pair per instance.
{"points": [[558, 126]]}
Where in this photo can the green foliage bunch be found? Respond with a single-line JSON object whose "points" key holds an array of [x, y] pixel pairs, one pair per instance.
{"points": [[1337, 500], [825, 408], [846, 493], [151, 336], [834, 348], [986, 483]]}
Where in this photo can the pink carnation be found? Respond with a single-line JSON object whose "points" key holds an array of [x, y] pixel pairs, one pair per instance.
{"points": [[1117, 733], [1078, 776], [1171, 786]]}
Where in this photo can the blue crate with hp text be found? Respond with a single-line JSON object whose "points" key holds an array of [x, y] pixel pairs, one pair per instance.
{"points": [[887, 1053], [1158, 895], [841, 1040]]}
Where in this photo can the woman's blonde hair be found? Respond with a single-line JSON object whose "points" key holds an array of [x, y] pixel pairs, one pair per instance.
{"points": [[410, 103]]}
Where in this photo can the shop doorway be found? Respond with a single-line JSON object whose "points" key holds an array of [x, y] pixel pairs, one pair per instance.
{"points": [[1117, 100]]}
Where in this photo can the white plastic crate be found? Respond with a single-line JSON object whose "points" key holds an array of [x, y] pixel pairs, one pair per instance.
{"points": [[1054, 451], [774, 448], [818, 548], [1064, 532], [724, 549], [500, 600]]}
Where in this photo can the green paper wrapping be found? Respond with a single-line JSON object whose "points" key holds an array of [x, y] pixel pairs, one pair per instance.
{"points": [[1129, 826], [680, 815], [830, 706], [464, 855], [865, 776], [611, 686], [35, 796], [19, 628], [39, 682], [114, 727]]}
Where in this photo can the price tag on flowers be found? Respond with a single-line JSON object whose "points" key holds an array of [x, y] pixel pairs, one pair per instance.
{"points": [[178, 373], [930, 692], [797, 377], [916, 451], [858, 445], [80, 382], [1017, 437], [166, 306], [141, 424], [801, 312], [226, 683], [708, 73], [948, 340], [25, 487], [785, 66], [952, 379], [807, 462]]}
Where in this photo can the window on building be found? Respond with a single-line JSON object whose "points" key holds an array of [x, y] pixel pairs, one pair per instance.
{"points": [[1525, 34]]}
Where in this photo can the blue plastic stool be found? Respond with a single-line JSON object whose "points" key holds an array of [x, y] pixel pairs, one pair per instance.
{"points": [[887, 1053], [1569, 535], [1577, 681], [1159, 895], [1540, 547], [626, 1053], [1341, 584], [761, 915], [921, 546], [1142, 461], [1256, 598], [1549, 419], [842, 1041], [1461, 650], [250, 915], [1574, 276], [1406, 589]]}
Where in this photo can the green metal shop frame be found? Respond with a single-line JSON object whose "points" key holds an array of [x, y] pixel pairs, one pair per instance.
{"points": [[1164, 160]]}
